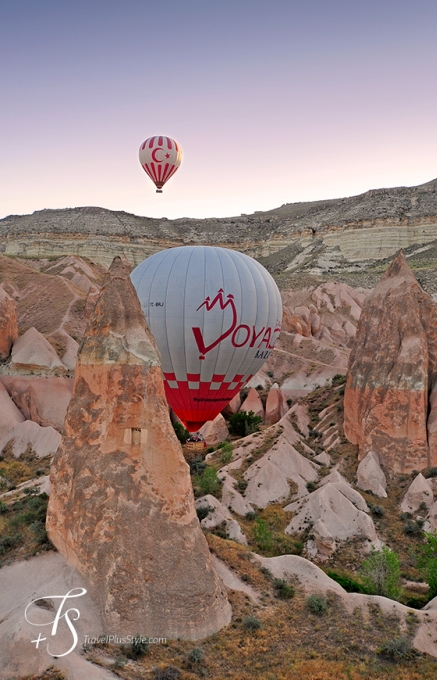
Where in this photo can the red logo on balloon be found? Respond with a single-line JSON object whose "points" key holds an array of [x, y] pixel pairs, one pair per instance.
{"points": [[240, 334], [209, 305]]}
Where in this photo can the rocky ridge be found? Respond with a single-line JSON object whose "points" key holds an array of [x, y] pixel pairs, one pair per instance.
{"points": [[328, 234]]}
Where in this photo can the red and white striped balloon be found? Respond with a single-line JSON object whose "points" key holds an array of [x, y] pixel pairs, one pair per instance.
{"points": [[160, 157]]}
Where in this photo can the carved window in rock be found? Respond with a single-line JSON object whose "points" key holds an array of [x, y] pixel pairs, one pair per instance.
{"points": [[135, 435]]}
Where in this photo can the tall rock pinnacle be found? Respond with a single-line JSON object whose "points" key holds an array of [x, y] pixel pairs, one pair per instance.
{"points": [[122, 508], [393, 374], [8, 324]]}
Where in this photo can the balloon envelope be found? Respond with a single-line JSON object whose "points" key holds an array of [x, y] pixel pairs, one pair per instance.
{"points": [[160, 157], [215, 315]]}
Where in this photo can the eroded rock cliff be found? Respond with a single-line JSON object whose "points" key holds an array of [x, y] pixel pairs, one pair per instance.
{"points": [[121, 508], [392, 369]]}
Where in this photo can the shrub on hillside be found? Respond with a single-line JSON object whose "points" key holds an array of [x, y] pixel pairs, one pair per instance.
{"points": [[397, 649], [263, 535], [226, 454], [428, 562], [208, 481], [181, 433], [317, 604], [283, 590], [243, 423], [252, 623], [381, 573], [346, 582], [139, 646]]}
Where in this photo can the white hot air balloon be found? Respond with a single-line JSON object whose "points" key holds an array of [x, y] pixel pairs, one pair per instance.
{"points": [[215, 315], [160, 157]]}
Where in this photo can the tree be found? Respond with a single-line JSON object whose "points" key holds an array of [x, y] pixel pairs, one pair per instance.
{"points": [[428, 562], [381, 573], [181, 433], [244, 423], [263, 535]]}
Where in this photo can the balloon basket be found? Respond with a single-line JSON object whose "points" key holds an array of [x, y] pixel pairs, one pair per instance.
{"points": [[159, 191]]}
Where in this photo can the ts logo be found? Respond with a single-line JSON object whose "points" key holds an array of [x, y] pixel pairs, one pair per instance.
{"points": [[75, 615]]}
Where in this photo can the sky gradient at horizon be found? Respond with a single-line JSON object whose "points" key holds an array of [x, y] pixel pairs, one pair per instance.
{"points": [[273, 101]]}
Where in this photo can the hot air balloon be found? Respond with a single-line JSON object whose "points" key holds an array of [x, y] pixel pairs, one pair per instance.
{"points": [[215, 315], [160, 157]]}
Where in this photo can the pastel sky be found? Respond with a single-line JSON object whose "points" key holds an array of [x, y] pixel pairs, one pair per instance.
{"points": [[272, 101]]}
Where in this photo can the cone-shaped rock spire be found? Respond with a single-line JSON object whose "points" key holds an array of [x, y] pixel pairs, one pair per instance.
{"points": [[121, 508]]}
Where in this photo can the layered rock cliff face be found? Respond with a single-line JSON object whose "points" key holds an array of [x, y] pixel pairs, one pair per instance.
{"points": [[372, 225], [392, 371], [121, 508]]}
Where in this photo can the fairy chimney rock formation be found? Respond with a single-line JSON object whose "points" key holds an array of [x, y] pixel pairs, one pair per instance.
{"points": [[122, 508], [8, 324], [392, 371]]}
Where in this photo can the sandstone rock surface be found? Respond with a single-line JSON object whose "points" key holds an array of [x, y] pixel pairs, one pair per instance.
{"points": [[41, 399], [342, 514], [275, 405], [214, 431], [10, 416], [219, 515], [8, 324], [231, 497], [253, 403], [32, 352], [43, 440], [392, 368], [20, 584], [268, 478], [419, 491], [121, 508], [233, 406], [370, 477]]}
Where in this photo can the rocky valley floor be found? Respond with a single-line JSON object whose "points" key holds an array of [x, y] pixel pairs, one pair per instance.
{"points": [[290, 512]]}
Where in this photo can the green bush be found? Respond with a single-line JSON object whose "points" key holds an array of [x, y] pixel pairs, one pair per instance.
{"points": [[283, 590], [252, 623], [3, 507], [197, 466], [9, 542], [38, 529], [209, 483], [412, 528], [226, 455], [251, 516], [243, 423], [428, 562], [380, 573], [396, 649], [339, 379], [181, 433], [377, 510], [317, 604], [432, 472], [203, 512], [263, 535], [139, 646], [196, 655], [346, 582]]}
